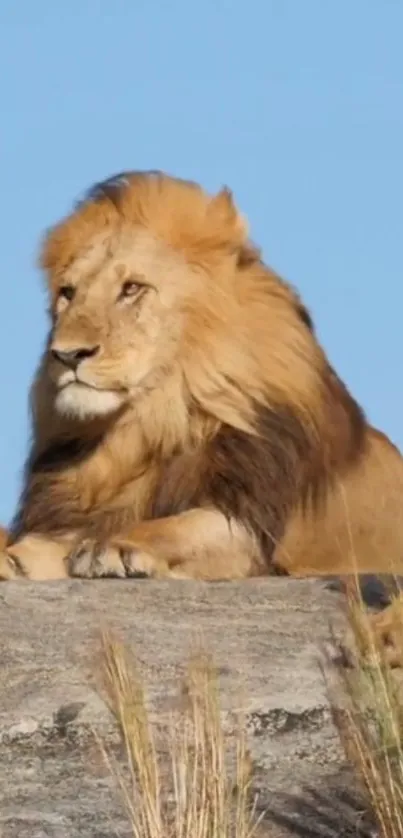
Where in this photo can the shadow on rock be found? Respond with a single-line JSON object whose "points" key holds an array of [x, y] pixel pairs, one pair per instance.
{"points": [[376, 591], [336, 812]]}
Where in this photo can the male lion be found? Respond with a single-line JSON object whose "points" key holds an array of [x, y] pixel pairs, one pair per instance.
{"points": [[186, 421]]}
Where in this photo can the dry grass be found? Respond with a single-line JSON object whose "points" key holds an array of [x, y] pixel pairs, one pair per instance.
{"points": [[190, 794], [371, 721]]}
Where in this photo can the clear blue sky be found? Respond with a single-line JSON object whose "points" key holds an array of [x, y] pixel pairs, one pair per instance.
{"points": [[296, 104]]}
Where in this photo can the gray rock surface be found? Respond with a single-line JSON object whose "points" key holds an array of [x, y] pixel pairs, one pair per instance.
{"points": [[267, 639]]}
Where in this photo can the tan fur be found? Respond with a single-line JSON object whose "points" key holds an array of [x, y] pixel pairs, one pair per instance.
{"points": [[354, 529], [206, 377], [3, 538]]}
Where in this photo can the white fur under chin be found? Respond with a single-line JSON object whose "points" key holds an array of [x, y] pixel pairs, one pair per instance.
{"points": [[82, 402]]}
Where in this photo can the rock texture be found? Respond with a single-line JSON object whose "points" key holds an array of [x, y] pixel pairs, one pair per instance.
{"points": [[267, 638]]}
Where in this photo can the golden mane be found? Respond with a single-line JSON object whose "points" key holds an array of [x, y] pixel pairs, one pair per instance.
{"points": [[177, 211]]}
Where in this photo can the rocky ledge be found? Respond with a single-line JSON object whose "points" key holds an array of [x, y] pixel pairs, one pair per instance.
{"points": [[267, 638]]}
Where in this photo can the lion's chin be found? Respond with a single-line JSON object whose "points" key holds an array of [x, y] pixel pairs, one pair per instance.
{"points": [[79, 401]]}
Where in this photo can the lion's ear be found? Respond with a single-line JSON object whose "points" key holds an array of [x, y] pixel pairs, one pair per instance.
{"points": [[224, 213]]}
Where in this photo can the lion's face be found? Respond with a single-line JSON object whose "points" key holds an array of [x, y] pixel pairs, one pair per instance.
{"points": [[142, 277], [117, 321]]}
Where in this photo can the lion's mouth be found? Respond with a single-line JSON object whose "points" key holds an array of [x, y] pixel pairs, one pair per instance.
{"points": [[87, 386], [69, 379], [85, 400]]}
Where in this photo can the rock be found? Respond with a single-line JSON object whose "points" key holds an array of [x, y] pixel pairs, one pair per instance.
{"points": [[267, 638]]}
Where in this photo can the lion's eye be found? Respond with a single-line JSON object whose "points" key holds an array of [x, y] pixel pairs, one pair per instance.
{"points": [[67, 292], [130, 288]]}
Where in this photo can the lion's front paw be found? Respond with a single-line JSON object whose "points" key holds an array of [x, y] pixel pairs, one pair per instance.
{"points": [[94, 560], [10, 568], [387, 629], [34, 557]]}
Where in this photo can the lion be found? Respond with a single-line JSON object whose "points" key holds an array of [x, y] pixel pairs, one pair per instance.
{"points": [[186, 421]]}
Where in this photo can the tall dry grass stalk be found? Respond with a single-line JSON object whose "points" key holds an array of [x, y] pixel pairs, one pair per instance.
{"points": [[190, 794], [370, 721]]}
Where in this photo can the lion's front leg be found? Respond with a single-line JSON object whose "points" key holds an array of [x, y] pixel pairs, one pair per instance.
{"points": [[36, 557], [199, 544]]}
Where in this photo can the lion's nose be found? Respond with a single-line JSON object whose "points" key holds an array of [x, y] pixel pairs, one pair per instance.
{"points": [[72, 357]]}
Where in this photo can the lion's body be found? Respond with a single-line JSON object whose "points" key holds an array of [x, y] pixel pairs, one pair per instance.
{"points": [[205, 433]]}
